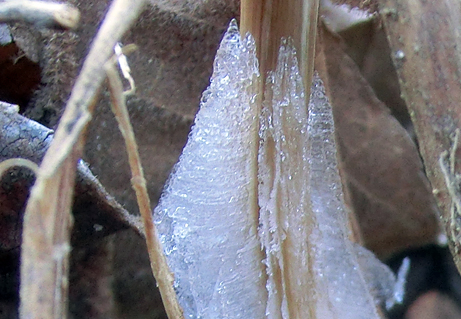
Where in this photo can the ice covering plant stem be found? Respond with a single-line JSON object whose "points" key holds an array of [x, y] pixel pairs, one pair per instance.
{"points": [[270, 21], [308, 269]]}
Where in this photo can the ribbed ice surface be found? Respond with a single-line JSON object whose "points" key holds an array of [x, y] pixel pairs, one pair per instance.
{"points": [[336, 264], [208, 213]]}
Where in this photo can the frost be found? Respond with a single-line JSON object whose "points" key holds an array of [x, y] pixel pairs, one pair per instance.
{"points": [[379, 278], [336, 267], [399, 288], [382, 284], [207, 214], [342, 17], [283, 191], [313, 270], [211, 226]]}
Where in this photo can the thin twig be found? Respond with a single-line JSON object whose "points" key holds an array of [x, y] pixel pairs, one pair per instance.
{"points": [[17, 162], [76, 117], [159, 265], [40, 13], [48, 220]]}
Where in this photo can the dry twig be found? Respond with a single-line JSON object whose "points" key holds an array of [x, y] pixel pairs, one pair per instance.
{"points": [[40, 13], [158, 261], [47, 221]]}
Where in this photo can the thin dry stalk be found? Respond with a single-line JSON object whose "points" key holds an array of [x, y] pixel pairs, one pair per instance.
{"points": [[45, 244], [40, 13], [48, 220], [271, 20], [17, 162], [268, 21], [158, 261]]}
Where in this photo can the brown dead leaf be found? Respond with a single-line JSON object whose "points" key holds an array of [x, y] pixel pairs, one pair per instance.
{"points": [[389, 192], [96, 214], [434, 305], [21, 137]]}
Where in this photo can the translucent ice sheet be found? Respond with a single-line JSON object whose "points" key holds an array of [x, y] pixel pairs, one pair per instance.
{"points": [[208, 213], [336, 267]]}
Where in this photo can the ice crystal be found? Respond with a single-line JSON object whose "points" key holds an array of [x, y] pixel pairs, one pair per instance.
{"points": [[207, 214], [336, 266], [283, 189]]}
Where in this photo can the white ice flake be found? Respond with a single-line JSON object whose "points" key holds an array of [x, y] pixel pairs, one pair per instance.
{"points": [[398, 292], [341, 17]]}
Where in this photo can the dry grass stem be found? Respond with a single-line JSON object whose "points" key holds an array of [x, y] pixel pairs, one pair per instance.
{"points": [[76, 116], [48, 220], [270, 21], [447, 162], [426, 52], [40, 13], [159, 266], [15, 162]]}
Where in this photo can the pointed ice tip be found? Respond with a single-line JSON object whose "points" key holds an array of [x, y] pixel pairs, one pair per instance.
{"points": [[316, 80], [233, 26], [231, 38]]}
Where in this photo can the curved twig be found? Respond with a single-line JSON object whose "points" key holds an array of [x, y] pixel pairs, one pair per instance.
{"points": [[15, 162], [40, 13]]}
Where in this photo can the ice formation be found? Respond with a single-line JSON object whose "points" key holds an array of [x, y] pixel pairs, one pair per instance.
{"points": [[336, 266], [283, 190], [398, 292], [208, 213], [237, 189], [313, 269]]}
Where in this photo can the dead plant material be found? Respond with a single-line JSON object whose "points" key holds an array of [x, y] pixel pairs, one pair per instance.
{"points": [[91, 294], [158, 261], [15, 162], [40, 13], [28, 140], [426, 51], [47, 220], [270, 21]]}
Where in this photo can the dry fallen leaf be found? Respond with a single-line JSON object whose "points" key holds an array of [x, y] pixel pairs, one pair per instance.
{"points": [[433, 305]]}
